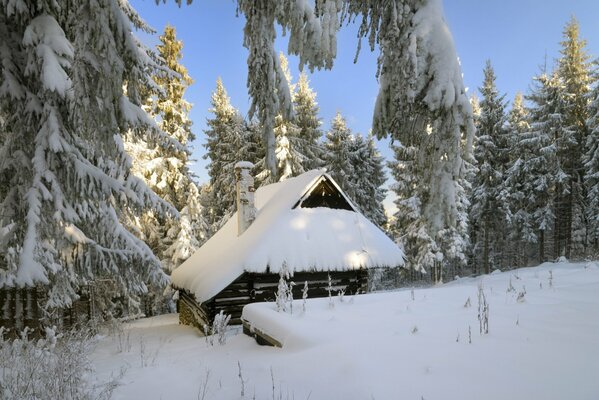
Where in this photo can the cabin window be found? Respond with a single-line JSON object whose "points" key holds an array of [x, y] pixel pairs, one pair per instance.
{"points": [[324, 194]]}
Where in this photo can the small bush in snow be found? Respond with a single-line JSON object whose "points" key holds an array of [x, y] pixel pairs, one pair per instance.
{"points": [[148, 356], [284, 295], [468, 303], [304, 296], [483, 310], [511, 287], [120, 335], [330, 290], [550, 278], [56, 367], [341, 294], [521, 294], [218, 329]]}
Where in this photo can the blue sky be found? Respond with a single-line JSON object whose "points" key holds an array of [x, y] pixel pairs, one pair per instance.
{"points": [[514, 34]]}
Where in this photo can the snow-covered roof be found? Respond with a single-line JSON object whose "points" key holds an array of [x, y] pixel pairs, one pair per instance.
{"points": [[306, 239]]}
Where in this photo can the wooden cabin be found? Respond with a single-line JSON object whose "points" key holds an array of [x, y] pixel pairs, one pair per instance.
{"points": [[305, 224]]}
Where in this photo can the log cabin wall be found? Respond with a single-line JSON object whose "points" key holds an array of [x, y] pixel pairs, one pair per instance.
{"points": [[20, 308], [254, 287]]}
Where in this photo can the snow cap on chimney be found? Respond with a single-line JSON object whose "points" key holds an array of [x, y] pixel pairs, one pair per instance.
{"points": [[246, 209]]}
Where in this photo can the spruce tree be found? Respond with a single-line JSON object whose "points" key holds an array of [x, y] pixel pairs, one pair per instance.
{"points": [[289, 160], [165, 170], [338, 152], [488, 213], [517, 182], [65, 176], [308, 122], [289, 140], [517, 121], [410, 228], [574, 72], [548, 180], [224, 136], [425, 108], [366, 187], [591, 165], [229, 139], [356, 165]]}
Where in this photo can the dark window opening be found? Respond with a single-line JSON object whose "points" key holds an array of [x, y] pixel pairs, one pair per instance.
{"points": [[325, 194]]}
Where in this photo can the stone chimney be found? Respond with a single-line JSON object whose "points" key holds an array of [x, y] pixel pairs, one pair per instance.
{"points": [[246, 210]]}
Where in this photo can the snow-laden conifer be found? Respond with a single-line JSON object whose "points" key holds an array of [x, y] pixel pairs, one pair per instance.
{"points": [[573, 70], [290, 140], [422, 103], [591, 164], [366, 188], [165, 169], [409, 228], [488, 212], [223, 136], [229, 139], [547, 180], [517, 182], [338, 152], [307, 120], [357, 167], [64, 173]]}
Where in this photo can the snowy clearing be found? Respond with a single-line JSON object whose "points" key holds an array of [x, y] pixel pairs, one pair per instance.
{"points": [[543, 343]]}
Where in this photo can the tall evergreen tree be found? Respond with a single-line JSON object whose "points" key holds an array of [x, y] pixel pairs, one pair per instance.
{"points": [[416, 99], [591, 164], [410, 228], [366, 183], [338, 152], [289, 160], [574, 73], [291, 141], [357, 166], [165, 170], [488, 213], [549, 135], [224, 138], [517, 182], [308, 122], [64, 173]]}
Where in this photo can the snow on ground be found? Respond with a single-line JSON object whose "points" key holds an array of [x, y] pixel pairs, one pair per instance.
{"points": [[384, 346]]}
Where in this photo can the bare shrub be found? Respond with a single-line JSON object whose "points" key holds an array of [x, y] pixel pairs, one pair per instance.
{"points": [[218, 329], [483, 311], [56, 367], [120, 336], [521, 295]]}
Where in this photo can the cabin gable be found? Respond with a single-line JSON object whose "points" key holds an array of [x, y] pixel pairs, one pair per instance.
{"points": [[324, 193]]}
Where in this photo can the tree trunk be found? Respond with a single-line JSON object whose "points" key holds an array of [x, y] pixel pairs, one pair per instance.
{"points": [[270, 144], [569, 211], [486, 249], [556, 229], [541, 246]]}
